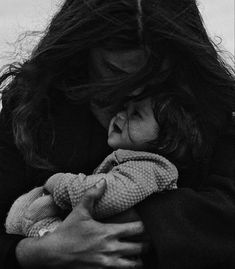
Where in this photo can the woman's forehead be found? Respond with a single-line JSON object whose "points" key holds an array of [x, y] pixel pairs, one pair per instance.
{"points": [[130, 60]]}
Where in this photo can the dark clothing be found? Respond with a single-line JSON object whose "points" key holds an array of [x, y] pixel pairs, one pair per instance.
{"points": [[192, 227], [195, 227]]}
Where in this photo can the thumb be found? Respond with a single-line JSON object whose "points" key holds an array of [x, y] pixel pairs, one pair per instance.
{"points": [[86, 205]]}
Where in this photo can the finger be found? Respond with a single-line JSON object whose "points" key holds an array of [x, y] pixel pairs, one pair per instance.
{"points": [[128, 263], [127, 229], [127, 249], [86, 205]]}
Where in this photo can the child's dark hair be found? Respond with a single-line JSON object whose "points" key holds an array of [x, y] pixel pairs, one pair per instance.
{"points": [[182, 135]]}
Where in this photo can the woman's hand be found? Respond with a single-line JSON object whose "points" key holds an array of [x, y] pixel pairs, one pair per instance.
{"points": [[82, 242]]}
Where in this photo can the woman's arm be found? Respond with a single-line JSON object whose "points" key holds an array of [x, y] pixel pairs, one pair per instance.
{"points": [[195, 228], [48, 252], [81, 242]]}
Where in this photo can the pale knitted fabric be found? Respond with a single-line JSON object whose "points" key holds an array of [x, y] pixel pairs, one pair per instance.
{"points": [[131, 176], [30, 208]]}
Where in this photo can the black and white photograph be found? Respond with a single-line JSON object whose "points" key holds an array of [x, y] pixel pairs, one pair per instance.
{"points": [[117, 131]]}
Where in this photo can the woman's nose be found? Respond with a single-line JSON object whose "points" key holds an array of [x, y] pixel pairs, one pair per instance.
{"points": [[136, 92], [129, 107]]}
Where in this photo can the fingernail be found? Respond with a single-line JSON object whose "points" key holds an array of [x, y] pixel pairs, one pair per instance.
{"points": [[100, 183]]}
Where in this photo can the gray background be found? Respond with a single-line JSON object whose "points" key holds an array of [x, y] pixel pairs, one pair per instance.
{"points": [[18, 16]]}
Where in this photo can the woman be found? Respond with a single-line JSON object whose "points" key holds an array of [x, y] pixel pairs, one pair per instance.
{"points": [[94, 56]]}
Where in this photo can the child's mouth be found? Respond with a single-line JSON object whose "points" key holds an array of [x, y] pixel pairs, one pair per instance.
{"points": [[116, 128]]}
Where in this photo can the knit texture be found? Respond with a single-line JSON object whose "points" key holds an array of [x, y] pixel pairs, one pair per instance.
{"points": [[30, 208], [131, 176]]}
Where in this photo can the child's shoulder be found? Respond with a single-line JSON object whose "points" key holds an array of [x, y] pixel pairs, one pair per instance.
{"points": [[123, 155]]}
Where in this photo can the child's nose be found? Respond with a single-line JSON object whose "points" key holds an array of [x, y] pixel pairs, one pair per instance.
{"points": [[122, 115]]}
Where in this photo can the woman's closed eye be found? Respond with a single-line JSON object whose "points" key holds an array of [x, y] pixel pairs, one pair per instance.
{"points": [[115, 69], [136, 113]]}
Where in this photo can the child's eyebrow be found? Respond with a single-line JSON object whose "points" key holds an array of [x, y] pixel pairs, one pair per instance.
{"points": [[115, 68]]}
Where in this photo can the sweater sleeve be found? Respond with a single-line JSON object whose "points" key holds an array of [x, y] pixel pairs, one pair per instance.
{"points": [[196, 228], [128, 183], [12, 184]]}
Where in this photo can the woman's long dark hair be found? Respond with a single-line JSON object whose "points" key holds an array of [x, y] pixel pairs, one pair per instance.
{"points": [[180, 55]]}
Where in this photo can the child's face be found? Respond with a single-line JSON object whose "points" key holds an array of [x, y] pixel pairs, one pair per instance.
{"points": [[133, 127]]}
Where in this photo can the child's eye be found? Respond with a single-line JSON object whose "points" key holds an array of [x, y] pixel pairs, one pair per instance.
{"points": [[136, 113]]}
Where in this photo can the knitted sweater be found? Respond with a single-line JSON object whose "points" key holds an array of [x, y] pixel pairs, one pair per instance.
{"points": [[193, 225], [131, 176]]}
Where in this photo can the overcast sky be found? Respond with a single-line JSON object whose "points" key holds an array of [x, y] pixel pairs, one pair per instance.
{"points": [[17, 16]]}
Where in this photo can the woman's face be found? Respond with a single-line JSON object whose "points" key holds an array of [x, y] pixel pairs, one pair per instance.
{"points": [[107, 64], [133, 127]]}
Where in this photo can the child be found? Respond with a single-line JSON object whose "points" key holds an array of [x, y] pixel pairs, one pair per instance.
{"points": [[132, 172]]}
